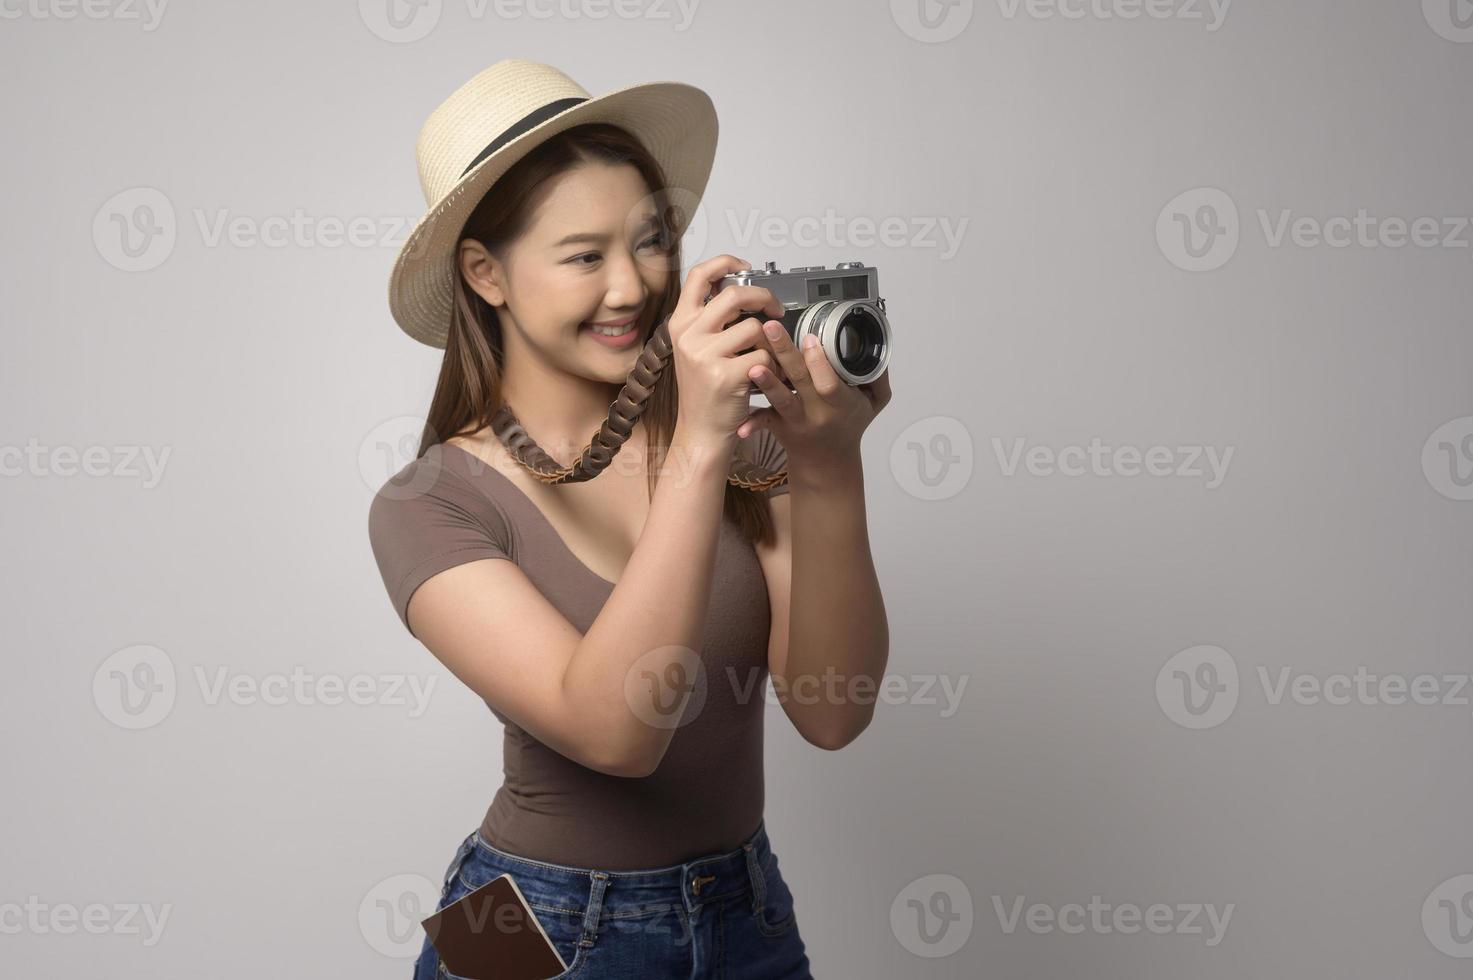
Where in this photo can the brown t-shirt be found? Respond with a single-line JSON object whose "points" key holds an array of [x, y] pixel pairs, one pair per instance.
{"points": [[449, 507]]}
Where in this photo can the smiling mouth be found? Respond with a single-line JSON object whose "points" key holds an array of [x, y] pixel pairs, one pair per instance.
{"points": [[619, 331], [615, 329]]}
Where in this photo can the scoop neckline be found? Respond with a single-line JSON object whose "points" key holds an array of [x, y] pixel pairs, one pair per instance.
{"points": [[485, 466]]}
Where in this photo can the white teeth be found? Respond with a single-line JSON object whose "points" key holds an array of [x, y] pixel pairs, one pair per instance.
{"points": [[611, 331]]}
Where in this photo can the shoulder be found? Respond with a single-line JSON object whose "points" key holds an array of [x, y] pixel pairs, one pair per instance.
{"points": [[433, 500], [432, 515]]}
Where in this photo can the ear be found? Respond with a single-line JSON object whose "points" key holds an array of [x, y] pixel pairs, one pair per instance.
{"points": [[483, 272]]}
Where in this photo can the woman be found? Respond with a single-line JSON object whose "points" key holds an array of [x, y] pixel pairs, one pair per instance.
{"points": [[621, 628]]}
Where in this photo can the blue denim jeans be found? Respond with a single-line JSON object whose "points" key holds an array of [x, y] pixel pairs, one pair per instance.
{"points": [[727, 915]]}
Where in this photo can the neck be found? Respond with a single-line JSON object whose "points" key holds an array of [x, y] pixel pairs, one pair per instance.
{"points": [[560, 411]]}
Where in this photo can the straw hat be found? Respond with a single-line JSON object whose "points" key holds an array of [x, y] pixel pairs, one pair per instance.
{"points": [[494, 120]]}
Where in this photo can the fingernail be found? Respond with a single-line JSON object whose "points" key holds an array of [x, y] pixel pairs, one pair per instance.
{"points": [[773, 328], [810, 341]]}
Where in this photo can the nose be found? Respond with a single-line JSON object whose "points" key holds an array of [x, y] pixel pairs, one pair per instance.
{"points": [[626, 290]]}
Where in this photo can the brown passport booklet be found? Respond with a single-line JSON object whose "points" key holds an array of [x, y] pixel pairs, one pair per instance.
{"points": [[493, 934]]}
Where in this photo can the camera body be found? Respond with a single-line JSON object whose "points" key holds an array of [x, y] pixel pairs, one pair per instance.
{"points": [[842, 306]]}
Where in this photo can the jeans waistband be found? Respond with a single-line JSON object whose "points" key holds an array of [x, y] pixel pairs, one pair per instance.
{"points": [[689, 885]]}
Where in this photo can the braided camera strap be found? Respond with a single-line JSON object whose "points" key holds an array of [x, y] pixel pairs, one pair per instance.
{"points": [[616, 429]]}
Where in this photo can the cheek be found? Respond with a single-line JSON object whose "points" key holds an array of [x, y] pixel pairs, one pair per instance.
{"points": [[655, 282], [557, 299]]}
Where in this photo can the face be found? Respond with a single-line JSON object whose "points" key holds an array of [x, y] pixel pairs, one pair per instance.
{"points": [[592, 254]]}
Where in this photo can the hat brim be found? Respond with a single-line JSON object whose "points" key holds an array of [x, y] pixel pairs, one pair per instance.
{"points": [[675, 122]]}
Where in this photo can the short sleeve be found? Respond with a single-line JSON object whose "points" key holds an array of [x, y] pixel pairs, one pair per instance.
{"points": [[426, 519], [764, 450]]}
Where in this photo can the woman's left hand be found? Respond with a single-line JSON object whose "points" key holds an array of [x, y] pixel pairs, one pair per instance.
{"points": [[824, 416]]}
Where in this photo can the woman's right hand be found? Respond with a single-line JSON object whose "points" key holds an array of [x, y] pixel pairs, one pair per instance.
{"points": [[715, 388]]}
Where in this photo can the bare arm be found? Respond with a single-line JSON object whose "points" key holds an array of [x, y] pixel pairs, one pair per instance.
{"points": [[588, 696], [838, 624], [611, 699]]}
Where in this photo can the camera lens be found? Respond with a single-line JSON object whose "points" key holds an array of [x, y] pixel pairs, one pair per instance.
{"points": [[859, 342]]}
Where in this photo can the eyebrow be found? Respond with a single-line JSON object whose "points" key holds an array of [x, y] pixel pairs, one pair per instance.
{"points": [[597, 237]]}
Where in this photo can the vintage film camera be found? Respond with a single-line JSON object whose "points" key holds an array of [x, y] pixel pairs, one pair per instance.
{"points": [[842, 306]]}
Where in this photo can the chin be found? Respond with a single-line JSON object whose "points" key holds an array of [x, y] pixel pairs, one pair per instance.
{"points": [[615, 375]]}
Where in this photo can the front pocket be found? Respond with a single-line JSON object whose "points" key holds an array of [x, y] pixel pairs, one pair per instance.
{"points": [[563, 923], [575, 964], [770, 926], [778, 912]]}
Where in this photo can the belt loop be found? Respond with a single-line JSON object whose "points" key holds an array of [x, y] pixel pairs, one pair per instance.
{"points": [[461, 854], [595, 906], [759, 883]]}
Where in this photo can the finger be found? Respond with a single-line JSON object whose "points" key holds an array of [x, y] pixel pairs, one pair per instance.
{"points": [[702, 276], [881, 388], [789, 358], [786, 403], [728, 304], [761, 418], [740, 337], [743, 364], [823, 380]]}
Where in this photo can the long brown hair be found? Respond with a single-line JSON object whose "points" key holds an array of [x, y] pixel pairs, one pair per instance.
{"points": [[468, 392]]}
